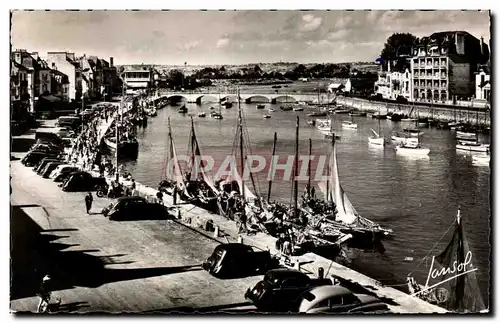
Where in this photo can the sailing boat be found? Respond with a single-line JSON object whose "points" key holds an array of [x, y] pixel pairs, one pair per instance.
{"points": [[172, 169], [126, 145], [217, 115], [347, 219], [319, 113], [454, 284], [198, 184], [414, 132], [349, 124], [376, 139], [413, 148], [233, 187]]}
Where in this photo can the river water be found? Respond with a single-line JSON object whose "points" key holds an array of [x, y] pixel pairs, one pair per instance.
{"points": [[417, 198]]}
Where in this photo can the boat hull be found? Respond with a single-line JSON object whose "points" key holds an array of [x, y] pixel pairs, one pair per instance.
{"points": [[478, 148], [125, 149], [413, 151], [376, 141], [350, 126], [465, 135]]}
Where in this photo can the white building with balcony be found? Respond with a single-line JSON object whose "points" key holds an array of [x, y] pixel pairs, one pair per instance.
{"points": [[391, 85], [483, 86], [137, 80]]}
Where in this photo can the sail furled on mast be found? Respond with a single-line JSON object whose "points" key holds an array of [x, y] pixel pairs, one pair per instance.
{"points": [[196, 157], [457, 273], [345, 211]]}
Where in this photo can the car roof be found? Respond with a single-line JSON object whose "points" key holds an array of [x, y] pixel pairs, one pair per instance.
{"points": [[131, 198], [285, 272], [321, 293], [234, 246]]}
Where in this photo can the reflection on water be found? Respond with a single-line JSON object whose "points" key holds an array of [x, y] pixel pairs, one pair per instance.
{"points": [[417, 198]]}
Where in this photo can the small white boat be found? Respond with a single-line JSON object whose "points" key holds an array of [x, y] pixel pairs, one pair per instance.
{"points": [[266, 116], [472, 146], [349, 125], [202, 114], [481, 160], [298, 109], [465, 135], [398, 139], [376, 139], [323, 122], [410, 148], [412, 120], [324, 128], [413, 132], [271, 110]]}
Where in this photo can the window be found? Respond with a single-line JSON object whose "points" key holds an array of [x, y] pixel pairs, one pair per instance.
{"points": [[482, 79]]}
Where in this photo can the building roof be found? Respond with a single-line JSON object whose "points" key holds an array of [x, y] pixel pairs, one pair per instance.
{"points": [[17, 65]]}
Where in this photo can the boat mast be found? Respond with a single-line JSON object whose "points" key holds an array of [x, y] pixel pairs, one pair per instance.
{"points": [[270, 179], [309, 165], [295, 170], [117, 176], [242, 158]]}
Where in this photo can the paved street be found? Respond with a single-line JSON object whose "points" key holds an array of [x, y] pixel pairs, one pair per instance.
{"points": [[108, 266]]}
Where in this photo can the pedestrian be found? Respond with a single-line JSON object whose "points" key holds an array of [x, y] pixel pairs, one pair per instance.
{"points": [[132, 187], [88, 202], [159, 197], [44, 294], [174, 194]]}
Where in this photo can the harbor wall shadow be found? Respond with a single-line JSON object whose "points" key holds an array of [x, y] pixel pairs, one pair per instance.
{"points": [[34, 253]]}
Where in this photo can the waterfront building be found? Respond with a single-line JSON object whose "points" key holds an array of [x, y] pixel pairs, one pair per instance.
{"points": [[483, 86], [59, 84], [137, 79], [395, 84], [443, 66], [19, 97], [66, 63], [37, 75]]}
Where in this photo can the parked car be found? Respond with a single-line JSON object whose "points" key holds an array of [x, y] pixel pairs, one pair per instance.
{"points": [[238, 260], [134, 208], [42, 163], [280, 290], [81, 181], [338, 299], [34, 157], [62, 171], [49, 168]]}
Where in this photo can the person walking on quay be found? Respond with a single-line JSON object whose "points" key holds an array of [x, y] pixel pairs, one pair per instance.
{"points": [[132, 187], [88, 202], [174, 195], [159, 197], [44, 294]]}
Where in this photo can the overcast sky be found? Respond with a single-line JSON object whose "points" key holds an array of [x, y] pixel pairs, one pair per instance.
{"points": [[231, 37]]}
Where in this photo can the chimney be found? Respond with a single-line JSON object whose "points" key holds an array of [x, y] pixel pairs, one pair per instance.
{"points": [[111, 61], [54, 66]]}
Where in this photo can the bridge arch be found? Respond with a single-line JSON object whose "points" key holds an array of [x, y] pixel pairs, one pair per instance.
{"points": [[176, 98], [230, 98], [257, 99], [285, 98], [206, 99]]}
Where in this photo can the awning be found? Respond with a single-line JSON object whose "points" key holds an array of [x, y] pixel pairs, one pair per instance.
{"points": [[137, 85]]}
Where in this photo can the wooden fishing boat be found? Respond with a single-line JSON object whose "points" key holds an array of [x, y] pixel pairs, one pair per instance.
{"points": [[451, 280]]}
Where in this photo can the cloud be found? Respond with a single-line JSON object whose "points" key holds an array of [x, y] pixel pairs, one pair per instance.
{"points": [[337, 34], [223, 42], [188, 46], [310, 22], [158, 33]]}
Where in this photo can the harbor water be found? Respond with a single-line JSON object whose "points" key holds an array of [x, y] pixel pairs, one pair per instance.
{"points": [[417, 198]]}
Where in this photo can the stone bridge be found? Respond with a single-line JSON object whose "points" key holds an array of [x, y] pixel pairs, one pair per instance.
{"points": [[199, 98]]}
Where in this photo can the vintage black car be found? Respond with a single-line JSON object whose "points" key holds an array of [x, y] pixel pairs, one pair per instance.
{"points": [[44, 162], [34, 157], [47, 170], [81, 181], [135, 208], [232, 260], [280, 290]]}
